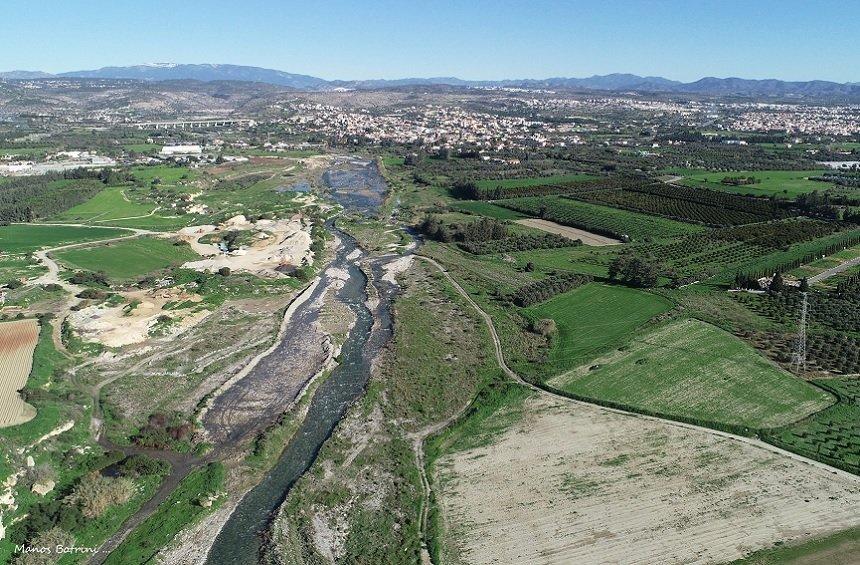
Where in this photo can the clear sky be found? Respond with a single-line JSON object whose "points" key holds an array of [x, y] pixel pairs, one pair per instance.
{"points": [[472, 39]]}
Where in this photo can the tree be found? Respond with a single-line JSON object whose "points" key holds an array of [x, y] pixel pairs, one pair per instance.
{"points": [[634, 270], [224, 271], [776, 283], [530, 267], [804, 285]]}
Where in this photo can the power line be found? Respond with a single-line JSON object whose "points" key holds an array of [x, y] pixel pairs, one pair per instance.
{"points": [[798, 361]]}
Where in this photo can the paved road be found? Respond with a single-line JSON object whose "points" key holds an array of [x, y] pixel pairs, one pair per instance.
{"points": [[835, 270]]}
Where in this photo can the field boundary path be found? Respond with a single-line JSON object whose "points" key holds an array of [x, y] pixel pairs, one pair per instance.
{"points": [[500, 359], [833, 271], [513, 375], [53, 274]]}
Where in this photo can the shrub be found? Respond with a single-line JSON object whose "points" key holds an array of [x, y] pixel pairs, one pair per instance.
{"points": [[545, 327], [94, 494]]}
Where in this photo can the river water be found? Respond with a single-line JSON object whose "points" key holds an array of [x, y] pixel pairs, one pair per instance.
{"points": [[357, 187]]}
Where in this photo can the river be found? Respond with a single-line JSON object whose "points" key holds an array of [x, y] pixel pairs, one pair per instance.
{"points": [[358, 187]]}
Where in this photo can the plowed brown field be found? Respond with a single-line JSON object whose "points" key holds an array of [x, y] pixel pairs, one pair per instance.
{"points": [[17, 343]]}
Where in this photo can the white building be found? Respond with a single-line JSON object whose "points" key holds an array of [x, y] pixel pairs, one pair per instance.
{"points": [[173, 150]]}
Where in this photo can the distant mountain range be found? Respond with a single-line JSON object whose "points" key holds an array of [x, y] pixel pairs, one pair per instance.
{"points": [[611, 82]]}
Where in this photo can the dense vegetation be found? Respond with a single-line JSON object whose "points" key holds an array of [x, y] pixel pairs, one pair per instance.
{"points": [[618, 224], [471, 190], [546, 288], [519, 242], [24, 199], [687, 204]]}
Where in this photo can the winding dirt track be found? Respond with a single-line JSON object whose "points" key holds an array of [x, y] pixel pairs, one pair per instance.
{"points": [[53, 274], [419, 448], [509, 372]]}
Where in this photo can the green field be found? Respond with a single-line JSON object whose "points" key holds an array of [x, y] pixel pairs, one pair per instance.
{"points": [[582, 259], [532, 181], [167, 175], [129, 258], [692, 369], [109, 204], [488, 209], [26, 238], [600, 219], [592, 318], [825, 263], [787, 184], [832, 435]]}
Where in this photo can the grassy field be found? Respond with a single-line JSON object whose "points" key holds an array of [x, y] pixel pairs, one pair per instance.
{"points": [[696, 370], [532, 181], [19, 266], [487, 209], [600, 219], [582, 259], [832, 435], [167, 175], [26, 238], [180, 509], [786, 184], [592, 318], [109, 204], [128, 258]]}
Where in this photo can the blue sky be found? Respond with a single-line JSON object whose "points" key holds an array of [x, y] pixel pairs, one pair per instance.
{"points": [[474, 39]]}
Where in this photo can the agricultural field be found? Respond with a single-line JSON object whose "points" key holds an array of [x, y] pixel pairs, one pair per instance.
{"points": [[26, 238], [487, 209], [755, 250], [782, 184], [532, 181], [127, 259], [825, 263], [832, 435], [591, 319], [108, 205], [17, 342], [163, 174], [706, 207], [585, 237], [610, 222], [616, 488], [691, 369]]}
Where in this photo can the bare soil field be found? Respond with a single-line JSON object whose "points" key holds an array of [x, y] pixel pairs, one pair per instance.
{"points": [[278, 244], [577, 484], [586, 237], [133, 320], [17, 343]]}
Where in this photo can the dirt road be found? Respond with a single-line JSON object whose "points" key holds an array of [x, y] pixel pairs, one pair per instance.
{"points": [[509, 372], [474, 474], [833, 271], [587, 238]]}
